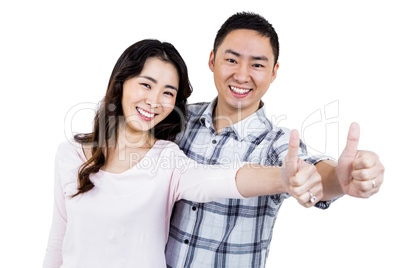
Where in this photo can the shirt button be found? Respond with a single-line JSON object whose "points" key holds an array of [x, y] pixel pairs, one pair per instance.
{"points": [[194, 208], [214, 141], [186, 241]]}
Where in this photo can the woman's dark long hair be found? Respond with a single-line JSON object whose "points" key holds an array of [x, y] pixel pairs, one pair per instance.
{"points": [[106, 121]]}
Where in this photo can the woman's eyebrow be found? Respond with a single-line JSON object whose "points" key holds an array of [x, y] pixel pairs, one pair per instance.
{"points": [[149, 78], [171, 87], [153, 80]]}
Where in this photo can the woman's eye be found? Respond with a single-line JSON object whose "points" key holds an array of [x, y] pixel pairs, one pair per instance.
{"points": [[169, 93], [145, 85]]}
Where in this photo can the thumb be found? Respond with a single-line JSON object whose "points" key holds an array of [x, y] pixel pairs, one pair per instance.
{"points": [[293, 150], [353, 141]]}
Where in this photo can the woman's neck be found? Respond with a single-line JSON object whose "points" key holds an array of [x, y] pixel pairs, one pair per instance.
{"points": [[128, 138], [130, 148]]}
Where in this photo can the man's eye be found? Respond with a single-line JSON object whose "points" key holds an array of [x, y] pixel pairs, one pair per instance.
{"points": [[258, 65], [231, 60]]}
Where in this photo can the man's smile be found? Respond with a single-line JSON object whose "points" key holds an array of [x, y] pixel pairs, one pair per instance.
{"points": [[239, 92]]}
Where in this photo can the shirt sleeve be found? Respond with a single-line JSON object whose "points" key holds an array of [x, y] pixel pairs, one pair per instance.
{"points": [[204, 183], [53, 256]]}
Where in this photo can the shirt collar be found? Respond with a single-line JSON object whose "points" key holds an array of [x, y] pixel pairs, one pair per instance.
{"points": [[206, 116], [253, 125]]}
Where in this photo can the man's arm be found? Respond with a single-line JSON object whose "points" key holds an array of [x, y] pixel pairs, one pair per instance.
{"points": [[331, 186], [358, 173]]}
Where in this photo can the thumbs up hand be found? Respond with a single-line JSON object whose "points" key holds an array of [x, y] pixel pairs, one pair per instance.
{"points": [[360, 173], [301, 180]]}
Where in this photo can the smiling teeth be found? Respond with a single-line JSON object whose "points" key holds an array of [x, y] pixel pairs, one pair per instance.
{"points": [[239, 90], [144, 113]]}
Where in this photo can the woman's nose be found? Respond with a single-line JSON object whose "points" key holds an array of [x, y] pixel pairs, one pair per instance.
{"points": [[153, 101]]}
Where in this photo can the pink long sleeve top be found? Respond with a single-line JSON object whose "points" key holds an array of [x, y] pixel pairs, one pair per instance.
{"points": [[124, 220]]}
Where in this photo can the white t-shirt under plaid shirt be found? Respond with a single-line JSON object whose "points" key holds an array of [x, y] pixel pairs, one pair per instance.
{"points": [[229, 232]]}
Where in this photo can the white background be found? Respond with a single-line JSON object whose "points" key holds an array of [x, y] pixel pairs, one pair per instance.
{"points": [[345, 55]]}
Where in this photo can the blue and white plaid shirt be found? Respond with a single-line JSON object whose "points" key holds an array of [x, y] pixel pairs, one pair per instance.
{"points": [[229, 232]]}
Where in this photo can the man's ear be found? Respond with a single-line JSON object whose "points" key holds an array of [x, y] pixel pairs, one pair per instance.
{"points": [[211, 61], [274, 72]]}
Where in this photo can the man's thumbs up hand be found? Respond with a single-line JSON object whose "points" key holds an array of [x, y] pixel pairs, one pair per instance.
{"points": [[360, 173]]}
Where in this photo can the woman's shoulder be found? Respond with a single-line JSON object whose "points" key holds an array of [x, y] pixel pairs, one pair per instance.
{"points": [[69, 158], [69, 149], [164, 146], [168, 153]]}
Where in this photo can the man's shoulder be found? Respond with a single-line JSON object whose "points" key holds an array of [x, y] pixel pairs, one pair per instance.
{"points": [[197, 108]]}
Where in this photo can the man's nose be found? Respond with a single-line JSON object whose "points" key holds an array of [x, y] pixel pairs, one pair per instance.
{"points": [[242, 74]]}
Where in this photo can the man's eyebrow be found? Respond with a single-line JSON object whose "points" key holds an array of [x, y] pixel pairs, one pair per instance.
{"points": [[237, 54], [229, 51], [263, 58], [156, 82]]}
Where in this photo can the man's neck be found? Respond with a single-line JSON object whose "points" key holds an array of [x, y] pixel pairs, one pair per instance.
{"points": [[223, 117]]}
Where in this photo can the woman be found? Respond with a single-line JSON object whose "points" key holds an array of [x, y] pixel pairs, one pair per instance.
{"points": [[115, 187]]}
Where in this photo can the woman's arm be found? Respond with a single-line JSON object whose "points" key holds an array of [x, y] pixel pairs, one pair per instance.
{"points": [[256, 180], [53, 257], [205, 183]]}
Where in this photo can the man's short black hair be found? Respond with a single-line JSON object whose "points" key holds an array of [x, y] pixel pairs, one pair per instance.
{"points": [[248, 21]]}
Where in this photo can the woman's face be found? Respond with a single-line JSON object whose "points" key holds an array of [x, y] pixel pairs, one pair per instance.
{"points": [[150, 97]]}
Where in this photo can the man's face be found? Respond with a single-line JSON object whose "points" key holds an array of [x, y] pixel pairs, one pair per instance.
{"points": [[243, 69]]}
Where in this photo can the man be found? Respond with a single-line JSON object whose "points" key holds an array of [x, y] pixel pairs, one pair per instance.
{"points": [[234, 127]]}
